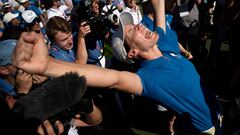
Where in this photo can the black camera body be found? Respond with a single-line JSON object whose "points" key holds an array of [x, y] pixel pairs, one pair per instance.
{"points": [[100, 24]]}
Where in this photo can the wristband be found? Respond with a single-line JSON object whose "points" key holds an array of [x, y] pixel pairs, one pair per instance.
{"points": [[188, 53]]}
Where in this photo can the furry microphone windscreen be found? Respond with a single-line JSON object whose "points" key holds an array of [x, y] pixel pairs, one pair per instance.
{"points": [[52, 97]]}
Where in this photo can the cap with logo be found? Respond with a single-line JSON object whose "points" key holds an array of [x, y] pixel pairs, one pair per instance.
{"points": [[28, 16]]}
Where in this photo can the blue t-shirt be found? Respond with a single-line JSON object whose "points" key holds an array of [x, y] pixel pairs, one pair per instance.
{"points": [[173, 81], [172, 42], [60, 54]]}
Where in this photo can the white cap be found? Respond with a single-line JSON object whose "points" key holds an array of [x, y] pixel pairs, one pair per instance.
{"points": [[22, 1], [6, 5], [9, 16], [28, 16], [118, 48]]}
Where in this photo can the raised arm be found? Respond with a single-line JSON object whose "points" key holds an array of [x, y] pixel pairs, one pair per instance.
{"points": [[81, 54], [31, 55], [159, 8]]}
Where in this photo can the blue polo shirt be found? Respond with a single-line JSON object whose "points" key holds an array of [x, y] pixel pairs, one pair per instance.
{"points": [[172, 41], [173, 81], [60, 54]]}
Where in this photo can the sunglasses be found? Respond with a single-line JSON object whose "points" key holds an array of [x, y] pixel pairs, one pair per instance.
{"points": [[36, 20]]}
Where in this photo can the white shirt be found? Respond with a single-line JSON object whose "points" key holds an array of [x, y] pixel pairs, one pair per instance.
{"points": [[51, 12], [137, 15]]}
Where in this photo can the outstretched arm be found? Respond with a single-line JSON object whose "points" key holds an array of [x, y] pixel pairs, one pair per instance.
{"points": [[31, 55]]}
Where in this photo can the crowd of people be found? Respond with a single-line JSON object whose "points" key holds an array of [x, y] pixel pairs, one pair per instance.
{"points": [[121, 51]]}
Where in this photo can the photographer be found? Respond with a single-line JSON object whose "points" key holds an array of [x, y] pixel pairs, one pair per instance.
{"points": [[93, 13], [66, 47]]}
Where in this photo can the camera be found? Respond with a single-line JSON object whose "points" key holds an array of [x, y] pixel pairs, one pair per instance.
{"points": [[101, 23], [84, 106]]}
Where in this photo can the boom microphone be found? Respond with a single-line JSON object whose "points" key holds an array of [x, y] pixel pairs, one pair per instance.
{"points": [[52, 97]]}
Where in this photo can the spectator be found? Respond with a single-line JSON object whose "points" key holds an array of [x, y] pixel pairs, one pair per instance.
{"points": [[7, 7], [62, 48], [14, 4], [63, 45], [33, 23], [134, 9], [7, 70], [58, 9], [13, 26], [100, 32], [27, 5], [155, 78]]}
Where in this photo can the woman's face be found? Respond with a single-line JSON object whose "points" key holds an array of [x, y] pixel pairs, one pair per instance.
{"points": [[64, 40], [138, 36]]}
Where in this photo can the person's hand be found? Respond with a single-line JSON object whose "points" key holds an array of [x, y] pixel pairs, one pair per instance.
{"points": [[49, 128], [78, 122], [31, 53], [84, 29], [189, 55], [37, 79], [23, 81]]}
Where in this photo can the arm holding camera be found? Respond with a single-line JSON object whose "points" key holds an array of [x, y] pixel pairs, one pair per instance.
{"points": [[81, 55]]}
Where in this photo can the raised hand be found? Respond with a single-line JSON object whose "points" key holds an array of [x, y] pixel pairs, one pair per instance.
{"points": [[31, 53], [84, 29]]}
